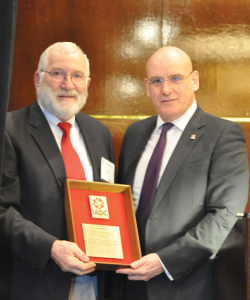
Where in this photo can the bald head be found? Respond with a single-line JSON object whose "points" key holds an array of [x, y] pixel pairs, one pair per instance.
{"points": [[170, 55], [171, 82]]}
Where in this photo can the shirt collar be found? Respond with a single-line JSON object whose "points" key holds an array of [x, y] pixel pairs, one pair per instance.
{"points": [[53, 121], [182, 121]]}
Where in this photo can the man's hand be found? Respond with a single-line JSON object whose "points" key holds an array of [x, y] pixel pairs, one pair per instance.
{"points": [[144, 268], [71, 258]]}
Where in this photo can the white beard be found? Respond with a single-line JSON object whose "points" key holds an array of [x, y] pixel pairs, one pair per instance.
{"points": [[64, 109]]}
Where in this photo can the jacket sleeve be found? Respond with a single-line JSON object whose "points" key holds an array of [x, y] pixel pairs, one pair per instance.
{"points": [[226, 194], [20, 237]]}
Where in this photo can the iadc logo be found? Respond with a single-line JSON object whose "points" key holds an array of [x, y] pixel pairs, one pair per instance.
{"points": [[99, 207], [98, 203]]}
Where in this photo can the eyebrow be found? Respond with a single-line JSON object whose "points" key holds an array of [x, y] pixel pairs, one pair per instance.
{"points": [[177, 75], [174, 75], [61, 69]]}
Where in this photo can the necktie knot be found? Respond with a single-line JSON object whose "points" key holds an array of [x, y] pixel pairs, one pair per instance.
{"points": [[65, 126], [166, 127]]}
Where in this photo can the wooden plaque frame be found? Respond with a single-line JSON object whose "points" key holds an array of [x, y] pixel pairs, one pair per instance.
{"points": [[77, 192]]}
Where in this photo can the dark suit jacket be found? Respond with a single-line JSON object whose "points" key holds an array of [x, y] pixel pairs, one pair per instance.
{"points": [[204, 184], [32, 212]]}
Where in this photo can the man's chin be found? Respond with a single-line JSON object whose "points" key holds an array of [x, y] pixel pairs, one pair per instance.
{"points": [[66, 101], [66, 111]]}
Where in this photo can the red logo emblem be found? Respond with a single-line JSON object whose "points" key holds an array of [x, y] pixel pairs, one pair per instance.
{"points": [[98, 203]]}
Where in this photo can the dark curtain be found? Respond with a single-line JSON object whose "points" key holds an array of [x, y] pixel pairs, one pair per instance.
{"points": [[8, 12]]}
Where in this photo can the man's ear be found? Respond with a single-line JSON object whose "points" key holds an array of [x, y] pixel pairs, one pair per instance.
{"points": [[88, 82], [195, 79], [147, 86], [37, 79]]}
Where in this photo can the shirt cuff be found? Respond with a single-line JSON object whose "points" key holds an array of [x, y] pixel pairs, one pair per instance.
{"points": [[165, 270]]}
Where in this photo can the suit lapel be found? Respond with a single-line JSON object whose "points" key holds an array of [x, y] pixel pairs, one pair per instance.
{"points": [[182, 150], [140, 144], [89, 136], [41, 132], [43, 135]]}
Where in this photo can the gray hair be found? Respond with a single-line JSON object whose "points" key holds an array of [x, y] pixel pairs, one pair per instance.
{"points": [[43, 61]]}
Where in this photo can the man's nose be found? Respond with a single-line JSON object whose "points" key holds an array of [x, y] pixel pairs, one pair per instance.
{"points": [[67, 83], [166, 87]]}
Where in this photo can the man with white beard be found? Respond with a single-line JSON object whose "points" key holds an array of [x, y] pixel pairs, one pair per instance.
{"points": [[37, 260]]}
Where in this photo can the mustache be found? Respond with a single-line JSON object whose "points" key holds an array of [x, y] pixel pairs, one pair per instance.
{"points": [[67, 93]]}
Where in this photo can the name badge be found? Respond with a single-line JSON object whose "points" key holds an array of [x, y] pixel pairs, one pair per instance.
{"points": [[107, 171]]}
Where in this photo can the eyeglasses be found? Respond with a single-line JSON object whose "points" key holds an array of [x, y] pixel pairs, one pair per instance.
{"points": [[59, 76], [156, 82]]}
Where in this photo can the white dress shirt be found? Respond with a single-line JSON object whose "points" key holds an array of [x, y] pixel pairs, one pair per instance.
{"points": [[173, 136], [84, 287]]}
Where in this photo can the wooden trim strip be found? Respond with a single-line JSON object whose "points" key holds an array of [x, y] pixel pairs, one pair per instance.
{"points": [[130, 117]]}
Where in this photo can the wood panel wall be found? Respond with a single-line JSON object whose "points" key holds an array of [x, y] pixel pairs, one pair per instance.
{"points": [[119, 36]]}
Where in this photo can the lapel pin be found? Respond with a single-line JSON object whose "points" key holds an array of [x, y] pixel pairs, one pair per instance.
{"points": [[193, 137]]}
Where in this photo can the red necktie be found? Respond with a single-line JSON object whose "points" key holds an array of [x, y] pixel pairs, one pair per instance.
{"points": [[149, 186], [73, 165]]}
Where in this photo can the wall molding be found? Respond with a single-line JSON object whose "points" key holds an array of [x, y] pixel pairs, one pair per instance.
{"points": [[130, 117]]}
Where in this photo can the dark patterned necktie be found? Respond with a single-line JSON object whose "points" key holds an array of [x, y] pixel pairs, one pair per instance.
{"points": [[72, 162], [149, 186]]}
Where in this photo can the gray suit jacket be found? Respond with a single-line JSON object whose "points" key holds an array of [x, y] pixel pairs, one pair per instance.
{"points": [[204, 184], [32, 212]]}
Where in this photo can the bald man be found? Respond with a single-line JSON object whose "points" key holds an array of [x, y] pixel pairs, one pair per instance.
{"points": [[189, 175]]}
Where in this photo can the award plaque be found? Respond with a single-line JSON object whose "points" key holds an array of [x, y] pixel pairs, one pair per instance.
{"points": [[101, 221]]}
